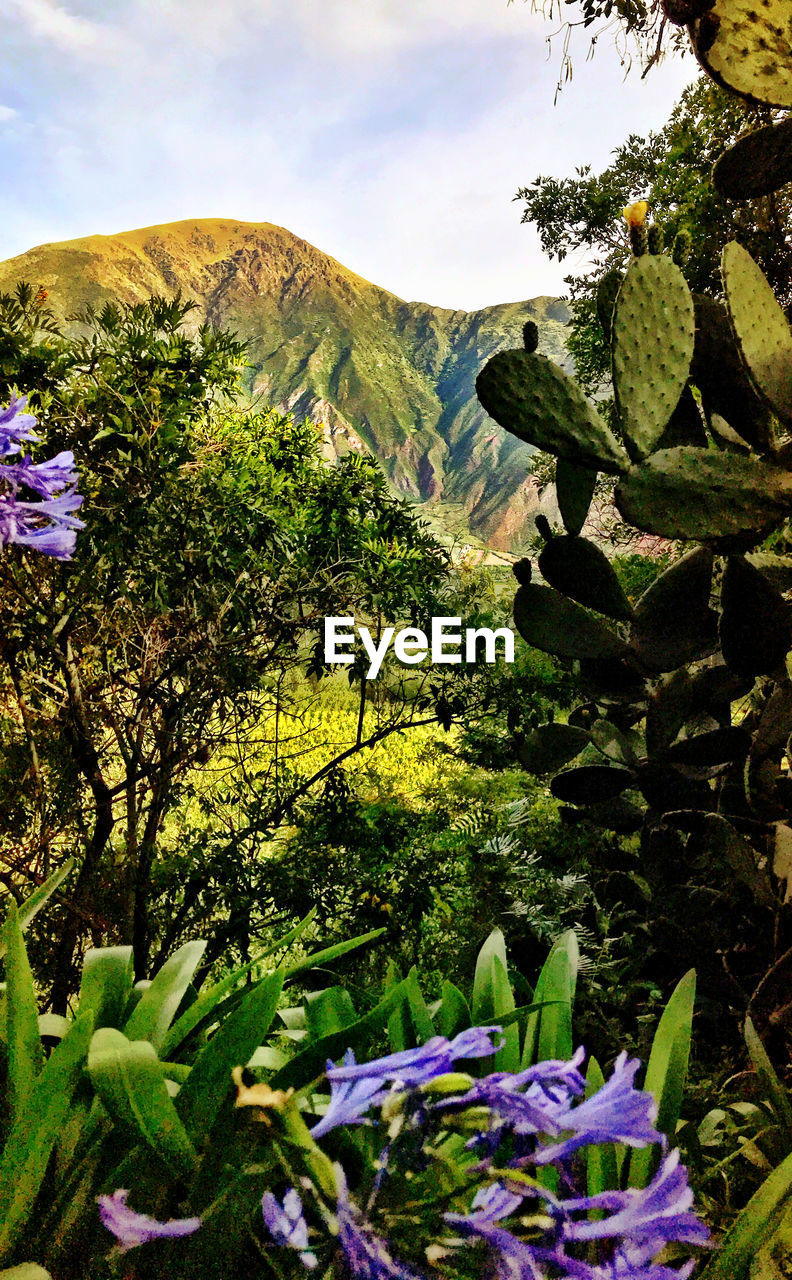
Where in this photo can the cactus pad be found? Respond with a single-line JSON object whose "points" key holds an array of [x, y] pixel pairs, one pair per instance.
{"points": [[581, 571], [534, 399], [673, 621], [761, 328], [653, 331], [746, 45], [574, 491], [757, 164], [719, 373], [755, 627], [701, 495], [550, 622], [607, 293]]}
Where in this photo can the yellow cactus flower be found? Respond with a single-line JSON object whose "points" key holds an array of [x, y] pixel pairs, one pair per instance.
{"points": [[635, 214]]}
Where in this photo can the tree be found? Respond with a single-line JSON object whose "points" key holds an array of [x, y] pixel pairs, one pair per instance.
{"points": [[216, 543]]}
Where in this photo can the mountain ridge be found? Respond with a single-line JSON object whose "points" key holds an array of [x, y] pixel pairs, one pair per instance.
{"points": [[380, 373]]}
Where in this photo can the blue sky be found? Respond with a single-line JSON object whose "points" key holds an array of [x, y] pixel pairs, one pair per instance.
{"points": [[393, 134]]}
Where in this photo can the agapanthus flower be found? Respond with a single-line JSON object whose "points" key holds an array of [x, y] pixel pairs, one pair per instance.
{"points": [[21, 523], [618, 1112], [132, 1229], [48, 526], [366, 1254], [514, 1258], [350, 1100], [45, 478], [15, 426], [413, 1067], [286, 1224], [652, 1216]]}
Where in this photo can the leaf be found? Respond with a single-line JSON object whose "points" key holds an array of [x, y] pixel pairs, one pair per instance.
{"points": [[310, 1063], [581, 571], [30, 1142], [232, 1045], [761, 328], [25, 1271], [493, 996], [454, 1014], [755, 629], [548, 621], [775, 1091], [328, 1010], [782, 857], [551, 746], [24, 1048], [747, 48], [536, 401], [32, 905], [653, 331], [748, 1232], [203, 1010], [128, 1078], [548, 1034], [106, 983], [155, 1010], [707, 750], [601, 1170], [666, 1072]]}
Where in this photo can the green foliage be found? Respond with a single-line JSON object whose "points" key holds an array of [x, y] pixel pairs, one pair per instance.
{"points": [[710, 772]]}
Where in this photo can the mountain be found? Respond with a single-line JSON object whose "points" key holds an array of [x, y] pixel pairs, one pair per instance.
{"points": [[394, 377]]}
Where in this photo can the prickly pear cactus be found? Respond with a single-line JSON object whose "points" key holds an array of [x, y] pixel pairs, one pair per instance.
{"points": [[746, 46], [685, 733], [534, 399], [761, 328], [653, 332]]}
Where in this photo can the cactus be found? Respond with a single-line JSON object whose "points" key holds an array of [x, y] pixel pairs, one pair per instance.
{"points": [[697, 494], [607, 293], [757, 164], [581, 571], [574, 491], [747, 47], [653, 334], [534, 399], [761, 328], [699, 388], [548, 621], [719, 373], [655, 239]]}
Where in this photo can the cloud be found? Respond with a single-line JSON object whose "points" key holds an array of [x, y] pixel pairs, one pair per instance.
{"points": [[391, 134], [53, 24], [8, 113]]}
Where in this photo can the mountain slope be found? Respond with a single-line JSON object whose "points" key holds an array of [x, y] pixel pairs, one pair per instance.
{"points": [[380, 373]]}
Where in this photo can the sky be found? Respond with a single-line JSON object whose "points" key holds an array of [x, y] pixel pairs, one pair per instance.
{"points": [[392, 134]]}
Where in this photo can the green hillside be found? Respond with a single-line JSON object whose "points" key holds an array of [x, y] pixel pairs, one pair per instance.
{"points": [[380, 373]]}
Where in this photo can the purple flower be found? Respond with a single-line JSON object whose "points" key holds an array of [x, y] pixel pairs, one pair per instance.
{"points": [[15, 426], [46, 478], [618, 1112], [21, 523], [515, 1260], [131, 1228], [286, 1224], [349, 1099], [367, 1255], [648, 1218], [413, 1067]]}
